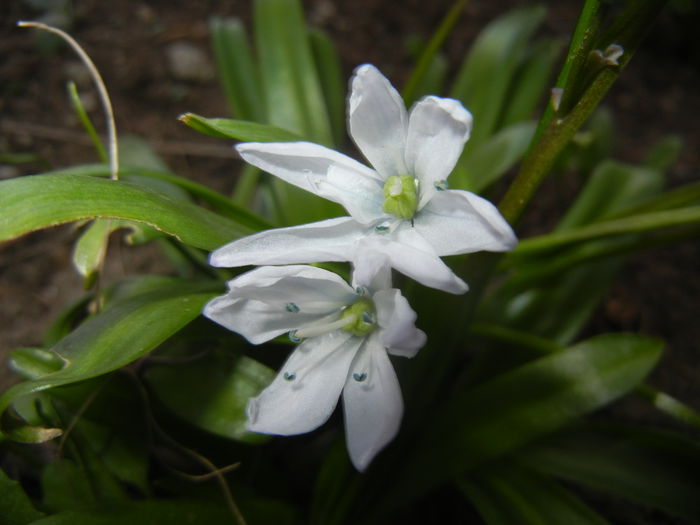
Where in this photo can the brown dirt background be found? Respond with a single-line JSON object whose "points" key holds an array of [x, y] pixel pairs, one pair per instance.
{"points": [[659, 94]]}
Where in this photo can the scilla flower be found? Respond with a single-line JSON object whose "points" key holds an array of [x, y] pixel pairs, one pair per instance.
{"points": [[346, 335], [401, 212]]}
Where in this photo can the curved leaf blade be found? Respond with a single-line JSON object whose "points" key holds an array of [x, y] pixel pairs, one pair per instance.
{"points": [[123, 332], [652, 467], [513, 495], [39, 201], [212, 393], [243, 130], [519, 406]]}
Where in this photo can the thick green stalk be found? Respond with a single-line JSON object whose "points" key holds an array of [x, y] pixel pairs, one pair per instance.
{"points": [[555, 129]]}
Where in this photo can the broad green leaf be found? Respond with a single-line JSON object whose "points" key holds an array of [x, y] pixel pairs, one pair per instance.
{"points": [[294, 100], [291, 86], [90, 250], [243, 130], [212, 393], [433, 81], [246, 186], [68, 486], [15, 506], [531, 82], [39, 201], [653, 467], [483, 166], [519, 406], [330, 76], [33, 363], [121, 333], [553, 295], [560, 305], [428, 61], [217, 201], [611, 188], [512, 495], [237, 70], [487, 73], [150, 511]]}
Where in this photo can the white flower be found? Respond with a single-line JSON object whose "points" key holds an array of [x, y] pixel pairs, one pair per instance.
{"points": [[346, 335], [402, 213]]}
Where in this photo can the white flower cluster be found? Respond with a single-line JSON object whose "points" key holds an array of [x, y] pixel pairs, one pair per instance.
{"points": [[402, 216]]}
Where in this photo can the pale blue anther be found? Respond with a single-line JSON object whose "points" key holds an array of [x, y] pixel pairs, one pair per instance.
{"points": [[292, 308]]}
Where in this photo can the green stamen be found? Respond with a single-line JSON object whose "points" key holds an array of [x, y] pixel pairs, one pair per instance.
{"points": [[401, 196], [362, 312]]}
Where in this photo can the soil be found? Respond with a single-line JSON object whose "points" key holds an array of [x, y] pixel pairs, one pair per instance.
{"points": [[658, 94]]}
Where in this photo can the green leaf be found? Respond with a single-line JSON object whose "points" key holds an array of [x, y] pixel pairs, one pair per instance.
{"points": [[611, 188], [332, 82], [212, 393], [652, 467], [427, 59], [512, 495], [487, 73], [294, 100], [40, 201], [237, 70], [90, 250], [67, 486], [242, 130], [433, 81], [124, 331], [484, 165], [77, 104], [519, 406], [150, 511], [15, 506], [635, 224], [670, 406], [217, 201], [135, 151], [33, 363], [291, 86], [531, 82], [560, 305]]}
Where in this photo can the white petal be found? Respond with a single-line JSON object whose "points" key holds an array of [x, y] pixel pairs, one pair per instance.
{"points": [[376, 274], [269, 301], [329, 240], [377, 120], [408, 253], [457, 221], [437, 130], [373, 406], [397, 320], [313, 290], [306, 396], [361, 196], [300, 163]]}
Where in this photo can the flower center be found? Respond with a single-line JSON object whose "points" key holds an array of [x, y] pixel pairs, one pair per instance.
{"points": [[401, 196], [360, 317]]}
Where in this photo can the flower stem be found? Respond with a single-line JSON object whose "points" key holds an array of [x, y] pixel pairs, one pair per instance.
{"points": [[558, 124]]}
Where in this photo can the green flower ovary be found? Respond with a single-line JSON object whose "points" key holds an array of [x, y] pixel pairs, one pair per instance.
{"points": [[401, 196], [364, 320]]}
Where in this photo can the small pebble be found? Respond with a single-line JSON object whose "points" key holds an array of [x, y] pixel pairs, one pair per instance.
{"points": [[187, 62]]}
